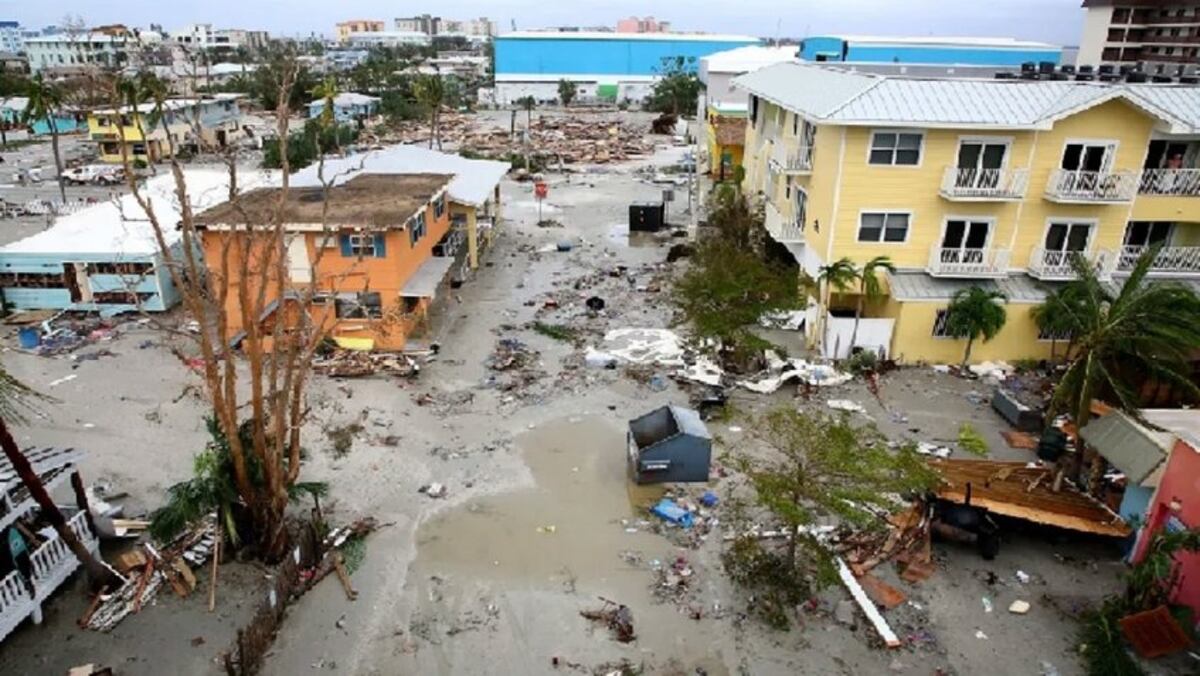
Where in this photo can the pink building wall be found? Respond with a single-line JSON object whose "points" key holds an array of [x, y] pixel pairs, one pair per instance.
{"points": [[646, 25], [1180, 483]]}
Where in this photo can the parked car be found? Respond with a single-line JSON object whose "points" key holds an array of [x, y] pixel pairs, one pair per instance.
{"points": [[95, 174]]}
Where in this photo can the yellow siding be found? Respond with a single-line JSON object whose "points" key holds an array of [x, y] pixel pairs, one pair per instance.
{"points": [[1165, 208], [913, 341]]}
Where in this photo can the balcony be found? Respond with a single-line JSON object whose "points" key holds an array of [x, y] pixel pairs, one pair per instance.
{"points": [[782, 230], [1092, 187], [52, 563], [1052, 266], [1179, 182], [1170, 259], [984, 185], [792, 161], [970, 263]]}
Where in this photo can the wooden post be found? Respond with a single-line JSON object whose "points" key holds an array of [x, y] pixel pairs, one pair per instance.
{"points": [[216, 560], [81, 500]]}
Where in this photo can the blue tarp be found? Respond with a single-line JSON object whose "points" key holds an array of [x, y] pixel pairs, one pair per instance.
{"points": [[668, 510]]}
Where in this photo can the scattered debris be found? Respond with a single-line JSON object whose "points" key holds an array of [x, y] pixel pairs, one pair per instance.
{"points": [[359, 363], [433, 490], [645, 346], [860, 597], [616, 616], [845, 405], [1019, 607], [667, 510]]}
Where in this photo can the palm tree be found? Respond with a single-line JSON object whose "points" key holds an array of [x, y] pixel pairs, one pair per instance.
{"points": [[327, 91], [871, 289], [430, 92], [527, 103], [841, 275], [975, 312], [45, 100], [1147, 330], [1056, 317]]}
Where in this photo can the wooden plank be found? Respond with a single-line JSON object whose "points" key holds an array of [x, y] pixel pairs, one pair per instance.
{"points": [[881, 592], [860, 597]]}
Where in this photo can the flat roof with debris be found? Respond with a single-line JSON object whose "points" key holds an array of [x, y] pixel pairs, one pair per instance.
{"points": [[379, 200], [1025, 491]]}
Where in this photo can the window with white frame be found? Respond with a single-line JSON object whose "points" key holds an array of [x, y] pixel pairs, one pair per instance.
{"points": [[362, 245], [896, 148], [1062, 335], [416, 228], [878, 226], [940, 322]]}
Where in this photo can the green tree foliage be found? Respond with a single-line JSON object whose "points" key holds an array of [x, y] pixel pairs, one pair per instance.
{"points": [[45, 102], [1057, 315], [306, 145], [677, 88], [566, 91], [1148, 329], [262, 84], [817, 467], [872, 290], [430, 93], [729, 284], [975, 313]]}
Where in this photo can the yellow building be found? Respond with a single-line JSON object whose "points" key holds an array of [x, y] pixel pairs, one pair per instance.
{"points": [[190, 124], [725, 131], [347, 28], [992, 183]]}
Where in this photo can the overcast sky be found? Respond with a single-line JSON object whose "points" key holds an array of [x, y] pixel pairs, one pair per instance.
{"points": [[1058, 21]]}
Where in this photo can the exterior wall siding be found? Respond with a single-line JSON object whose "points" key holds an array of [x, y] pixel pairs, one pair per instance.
{"points": [[838, 49], [913, 341], [607, 56]]}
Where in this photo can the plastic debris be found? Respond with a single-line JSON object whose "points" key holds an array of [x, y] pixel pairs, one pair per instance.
{"points": [[845, 405], [709, 499], [987, 604], [1023, 577], [980, 635], [705, 371], [926, 448], [1019, 607], [667, 510], [645, 346]]}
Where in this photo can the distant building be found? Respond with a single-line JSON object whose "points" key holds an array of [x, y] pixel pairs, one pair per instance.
{"points": [[204, 36], [1159, 33], [346, 28], [646, 25], [12, 40], [481, 27], [603, 66], [67, 51], [939, 55], [347, 107], [424, 23], [724, 108], [191, 123], [387, 39], [435, 26]]}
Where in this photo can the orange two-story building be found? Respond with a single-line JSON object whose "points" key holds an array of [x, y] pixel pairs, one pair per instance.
{"points": [[360, 259]]}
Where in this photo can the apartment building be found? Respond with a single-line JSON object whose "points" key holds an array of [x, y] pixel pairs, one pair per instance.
{"points": [[345, 29], [992, 183], [1160, 33], [204, 36], [723, 106], [12, 40], [107, 48], [187, 123]]}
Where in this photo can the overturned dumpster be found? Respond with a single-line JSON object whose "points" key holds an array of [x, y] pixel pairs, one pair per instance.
{"points": [[670, 444]]}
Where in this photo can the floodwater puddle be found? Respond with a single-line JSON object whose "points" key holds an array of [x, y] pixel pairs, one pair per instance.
{"points": [[619, 233]]}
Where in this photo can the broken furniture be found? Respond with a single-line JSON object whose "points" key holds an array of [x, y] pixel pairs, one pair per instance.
{"points": [[52, 562], [670, 444], [647, 217], [1017, 414]]}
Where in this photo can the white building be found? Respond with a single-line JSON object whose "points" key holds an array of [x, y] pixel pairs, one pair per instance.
{"points": [[387, 39], [11, 37], [78, 50], [204, 36], [718, 70], [481, 27]]}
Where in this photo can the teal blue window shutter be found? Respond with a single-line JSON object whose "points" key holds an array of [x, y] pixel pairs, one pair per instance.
{"points": [[344, 241], [380, 247]]}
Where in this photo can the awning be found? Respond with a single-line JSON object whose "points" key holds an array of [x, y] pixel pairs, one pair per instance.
{"points": [[1131, 447], [427, 278]]}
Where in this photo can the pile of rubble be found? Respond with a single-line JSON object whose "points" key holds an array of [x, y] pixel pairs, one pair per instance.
{"points": [[563, 140], [356, 364]]}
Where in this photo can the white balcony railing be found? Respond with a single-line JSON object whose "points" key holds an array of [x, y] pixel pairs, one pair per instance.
{"points": [[1056, 265], [1182, 182], [984, 184], [968, 262], [1168, 259], [782, 229], [798, 160], [52, 563], [1092, 186]]}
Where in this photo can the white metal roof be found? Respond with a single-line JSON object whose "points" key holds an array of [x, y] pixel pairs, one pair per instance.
{"points": [[120, 226], [746, 59], [16, 104], [598, 35], [838, 96], [918, 285], [425, 280], [944, 41], [473, 183], [348, 99]]}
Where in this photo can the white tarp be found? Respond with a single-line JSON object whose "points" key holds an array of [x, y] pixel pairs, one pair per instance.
{"points": [[782, 371], [704, 371], [645, 346]]}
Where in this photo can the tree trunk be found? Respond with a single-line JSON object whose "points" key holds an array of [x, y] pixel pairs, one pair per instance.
{"points": [[512, 124], [1053, 349], [967, 355], [98, 574], [858, 310], [432, 128], [4, 134], [62, 188]]}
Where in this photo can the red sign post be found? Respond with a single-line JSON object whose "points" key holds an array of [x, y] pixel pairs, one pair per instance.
{"points": [[540, 190]]}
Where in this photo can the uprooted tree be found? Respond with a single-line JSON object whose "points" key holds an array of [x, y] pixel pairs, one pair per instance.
{"points": [[732, 282], [814, 468], [257, 401]]}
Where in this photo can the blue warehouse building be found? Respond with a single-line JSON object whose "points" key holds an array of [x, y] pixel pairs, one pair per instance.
{"points": [[968, 54], [604, 66]]}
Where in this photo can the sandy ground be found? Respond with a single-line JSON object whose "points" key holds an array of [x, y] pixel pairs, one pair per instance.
{"points": [[536, 523]]}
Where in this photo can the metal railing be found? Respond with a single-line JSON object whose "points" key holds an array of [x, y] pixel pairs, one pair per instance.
{"points": [[782, 230], [985, 183], [1093, 186], [1168, 259], [1051, 265], [968, 262], [794, 159], [1184, 182]]}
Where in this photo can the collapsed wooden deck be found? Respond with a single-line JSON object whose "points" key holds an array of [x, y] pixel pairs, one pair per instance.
{"points": [[1024, 491]]}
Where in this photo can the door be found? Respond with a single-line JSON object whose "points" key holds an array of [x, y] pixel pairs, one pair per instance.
{"points": [[1086, 161], [964, 241], [979, 164], [299, 267]]}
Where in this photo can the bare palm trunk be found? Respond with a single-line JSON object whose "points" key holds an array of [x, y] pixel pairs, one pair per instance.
{"points": [[98, 574], [62, 186], [4, 134], [857, 316], [967, 355]]}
